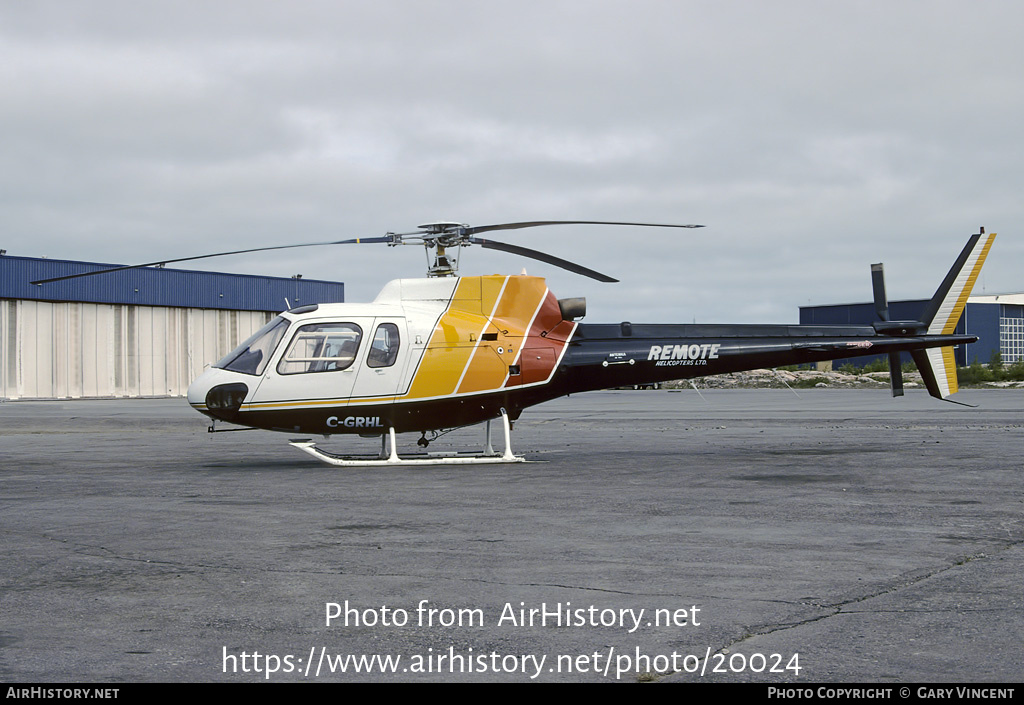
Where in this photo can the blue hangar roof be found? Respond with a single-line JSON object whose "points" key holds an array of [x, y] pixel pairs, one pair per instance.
{"points": [[149, 286]]}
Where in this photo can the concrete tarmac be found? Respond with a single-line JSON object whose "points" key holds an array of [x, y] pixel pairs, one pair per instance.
{"points": [[835, 536]]}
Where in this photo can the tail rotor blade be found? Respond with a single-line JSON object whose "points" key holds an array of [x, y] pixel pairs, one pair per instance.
{"points": [[878, 288], [895, 374]]}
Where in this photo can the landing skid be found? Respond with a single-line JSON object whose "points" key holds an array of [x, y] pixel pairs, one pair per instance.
{"points": [[390, 458]]}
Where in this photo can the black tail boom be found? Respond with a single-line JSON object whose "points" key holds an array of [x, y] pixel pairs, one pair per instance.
{"points": [[602, 356]]}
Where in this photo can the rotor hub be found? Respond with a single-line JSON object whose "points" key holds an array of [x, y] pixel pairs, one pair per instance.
{"points": [[444, 227]]}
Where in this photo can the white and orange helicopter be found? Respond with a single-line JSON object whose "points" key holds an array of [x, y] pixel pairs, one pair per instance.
{"points": [[430, 355]]}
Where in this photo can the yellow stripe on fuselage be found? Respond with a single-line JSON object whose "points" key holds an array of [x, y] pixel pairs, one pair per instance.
{"points": [[450, 347], [457, 359], [509, 320]]}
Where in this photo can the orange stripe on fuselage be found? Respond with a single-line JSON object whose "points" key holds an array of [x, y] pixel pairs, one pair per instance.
{"points": [[544, 345], [508, 323], [514, 310]]}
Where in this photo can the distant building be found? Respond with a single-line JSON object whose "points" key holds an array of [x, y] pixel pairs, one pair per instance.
{"points": [[133, 333], [998, 321]]}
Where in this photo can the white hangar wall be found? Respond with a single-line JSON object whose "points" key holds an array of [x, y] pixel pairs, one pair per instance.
{"points": [[133, 332], [68, 350]]}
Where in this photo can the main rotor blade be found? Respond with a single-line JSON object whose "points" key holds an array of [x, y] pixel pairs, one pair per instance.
{"points": [[541, 256], [393, 239], [215, 254], [538, 223]]}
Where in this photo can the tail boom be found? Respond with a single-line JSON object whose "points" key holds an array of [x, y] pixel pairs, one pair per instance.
{"points": [[605, 355]]}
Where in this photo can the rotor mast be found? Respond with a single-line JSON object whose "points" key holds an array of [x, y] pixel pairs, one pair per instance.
{"points": [[440, 236]]}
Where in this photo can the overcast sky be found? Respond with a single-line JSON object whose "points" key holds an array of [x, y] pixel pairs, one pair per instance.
{"points": [[811, 138]]}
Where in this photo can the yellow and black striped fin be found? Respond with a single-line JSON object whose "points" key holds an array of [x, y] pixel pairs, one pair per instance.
{"points": [[943, 312]]}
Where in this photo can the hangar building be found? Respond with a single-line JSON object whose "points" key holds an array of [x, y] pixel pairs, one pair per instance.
{"points": [[998, 321], [132, 333]]}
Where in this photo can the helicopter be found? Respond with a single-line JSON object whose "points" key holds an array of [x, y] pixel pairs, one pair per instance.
{"points": [[448, 351]]}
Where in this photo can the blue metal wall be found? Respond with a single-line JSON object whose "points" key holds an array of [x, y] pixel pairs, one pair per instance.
{"points": [[160, 287], [981, 320]]}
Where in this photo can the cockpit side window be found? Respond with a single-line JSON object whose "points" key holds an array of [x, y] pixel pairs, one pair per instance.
{"points": [[321, 347], [252, 356], [384, 348]]}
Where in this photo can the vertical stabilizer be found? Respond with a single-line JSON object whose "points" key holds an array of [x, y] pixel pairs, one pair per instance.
{"points": [[944, 310], [937, 365]]}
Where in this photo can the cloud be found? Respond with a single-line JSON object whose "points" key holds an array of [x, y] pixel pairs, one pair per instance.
{"points": [[811, 138]]}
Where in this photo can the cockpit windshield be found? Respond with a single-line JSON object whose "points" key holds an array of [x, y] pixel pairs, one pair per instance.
{"points": [[252, 356]]}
